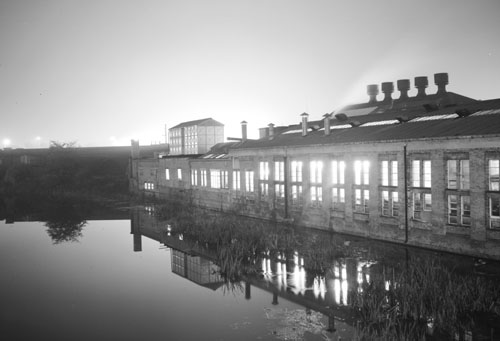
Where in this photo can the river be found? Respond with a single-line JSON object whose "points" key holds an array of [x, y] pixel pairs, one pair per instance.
{"points": [[127, 275]]}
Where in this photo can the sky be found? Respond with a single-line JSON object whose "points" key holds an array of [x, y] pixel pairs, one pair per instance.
{"points": [[103, 72]]}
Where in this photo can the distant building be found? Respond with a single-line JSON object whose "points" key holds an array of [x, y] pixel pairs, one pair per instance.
{"points": [[420, 170], [195, 137]]}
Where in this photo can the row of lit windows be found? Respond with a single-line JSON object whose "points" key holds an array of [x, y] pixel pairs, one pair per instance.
{"points": [[167, 174], [149, 186], [457, 180]]}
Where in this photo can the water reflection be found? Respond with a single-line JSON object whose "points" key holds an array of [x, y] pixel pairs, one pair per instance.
{"points": [[64, 222], [382, 291]]}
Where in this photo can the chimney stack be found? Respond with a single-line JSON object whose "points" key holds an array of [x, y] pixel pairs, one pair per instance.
{"points": [[327, 123], [372, 91], [304, 123], [421, 83], [441, 80], [403, 87], [388, 89], [271, 130], [243, 130]]}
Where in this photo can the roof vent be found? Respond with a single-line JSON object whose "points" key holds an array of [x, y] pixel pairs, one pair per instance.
{"points": [[441, 80], [387, 89], [372, 91], [421, 83], [403, 87]]}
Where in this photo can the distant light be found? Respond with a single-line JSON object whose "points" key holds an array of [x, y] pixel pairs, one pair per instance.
{"points": [[6, 142]]}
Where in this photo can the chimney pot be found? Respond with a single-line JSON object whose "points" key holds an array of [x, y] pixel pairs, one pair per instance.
{"points": [[243, 130], [327, 123], [304, 123], [403, 87], [271, 130], [421, 83], [387, 89], [372, 91], [441, 80]]}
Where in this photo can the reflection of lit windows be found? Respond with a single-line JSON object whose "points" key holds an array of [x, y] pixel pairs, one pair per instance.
{"points": [[493, 175]]}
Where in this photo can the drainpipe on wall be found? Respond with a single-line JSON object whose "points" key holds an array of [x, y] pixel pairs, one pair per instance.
{"points": [[285, 163], [406, 192]]}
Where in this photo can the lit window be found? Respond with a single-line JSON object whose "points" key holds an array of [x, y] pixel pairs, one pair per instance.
{"points": [[194, 177], [167, 174], [338, 181], [279, 171], [264, 170], [316, 182], [215, 179], [179, 173], [389, 172], [236, 180], [494, 211], [279, 190], [224, 179], [361, 172], [421, 173], [296, 170], [421, 202], [264, 189], [316, 171], [361, 200], [296, 194], [390, 203], [458, 174], [203, 177], [493, 173], [249, 186]]}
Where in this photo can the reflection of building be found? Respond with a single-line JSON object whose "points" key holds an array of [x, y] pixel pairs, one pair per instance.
{"points": [[197, 269], [421, 170]]}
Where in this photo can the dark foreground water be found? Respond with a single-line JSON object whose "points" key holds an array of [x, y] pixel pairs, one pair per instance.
{"points": [[132, 279]]}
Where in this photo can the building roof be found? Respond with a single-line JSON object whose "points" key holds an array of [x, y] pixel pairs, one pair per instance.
{"points": [[202, 122], [477, 118]]}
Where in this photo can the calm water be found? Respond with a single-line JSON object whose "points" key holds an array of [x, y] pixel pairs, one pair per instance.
{"points": [[98, 288], [130, 279]]}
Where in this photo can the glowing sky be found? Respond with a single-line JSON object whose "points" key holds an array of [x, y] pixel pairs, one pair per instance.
{"points": [[100, 72]]}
